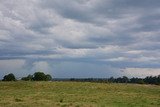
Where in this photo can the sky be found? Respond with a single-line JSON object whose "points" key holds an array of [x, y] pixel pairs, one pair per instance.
{"points": [[80, 38]]}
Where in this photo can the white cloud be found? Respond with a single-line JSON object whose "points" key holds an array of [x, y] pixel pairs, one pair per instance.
{"points": [[118, 33], [15, 66], [141, 72], [41, 66]]}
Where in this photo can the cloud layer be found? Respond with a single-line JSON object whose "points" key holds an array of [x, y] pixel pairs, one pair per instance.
{"points": [[82, 38]]}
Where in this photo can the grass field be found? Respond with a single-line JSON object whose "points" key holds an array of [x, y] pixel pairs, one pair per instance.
{"points": [[77, 94]]}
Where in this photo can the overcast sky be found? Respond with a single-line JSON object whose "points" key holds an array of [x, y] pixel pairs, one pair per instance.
{"points": [[80, 38]]}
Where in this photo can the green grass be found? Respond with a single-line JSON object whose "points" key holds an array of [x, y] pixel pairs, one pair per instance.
{"points": [[77, 94]]}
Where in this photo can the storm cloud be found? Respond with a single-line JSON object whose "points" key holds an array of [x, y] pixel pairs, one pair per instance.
{"points": [[80, 38]]}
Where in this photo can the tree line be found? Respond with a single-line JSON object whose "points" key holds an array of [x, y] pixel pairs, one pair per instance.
{"points": [[124, 79], [37, 76], [40, 76]]}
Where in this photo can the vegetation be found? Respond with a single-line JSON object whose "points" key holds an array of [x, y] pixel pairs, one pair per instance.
{"points": [[77, 94], [38, 76], [9, 77], [28, 78], [124, 79], [84, 93]]}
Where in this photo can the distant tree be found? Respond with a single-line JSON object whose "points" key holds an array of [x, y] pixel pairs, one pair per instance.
{"points": [[9, 77], [140, 81], [134, 80], [111, 79], [158, 80], [152, 80], [28, 78], [48, 77], [40, 76], [125, 79]]}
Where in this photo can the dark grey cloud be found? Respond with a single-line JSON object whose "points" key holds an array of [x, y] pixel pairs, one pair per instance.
{"points": [[96, 37], [70, 9]]}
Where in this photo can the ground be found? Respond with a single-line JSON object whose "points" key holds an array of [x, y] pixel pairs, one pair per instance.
{"points": [[78, 94]]}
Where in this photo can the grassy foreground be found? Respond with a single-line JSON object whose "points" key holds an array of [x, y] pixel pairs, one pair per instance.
{"points": [[77, 94]]}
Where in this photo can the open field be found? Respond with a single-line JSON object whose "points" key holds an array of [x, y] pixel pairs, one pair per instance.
{"points": [[77, 94]]}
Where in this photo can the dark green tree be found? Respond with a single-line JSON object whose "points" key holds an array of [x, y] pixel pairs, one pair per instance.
{"points": [[125, 79], [9, 77], [39, 76], [28, 78], [48, 77]]}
